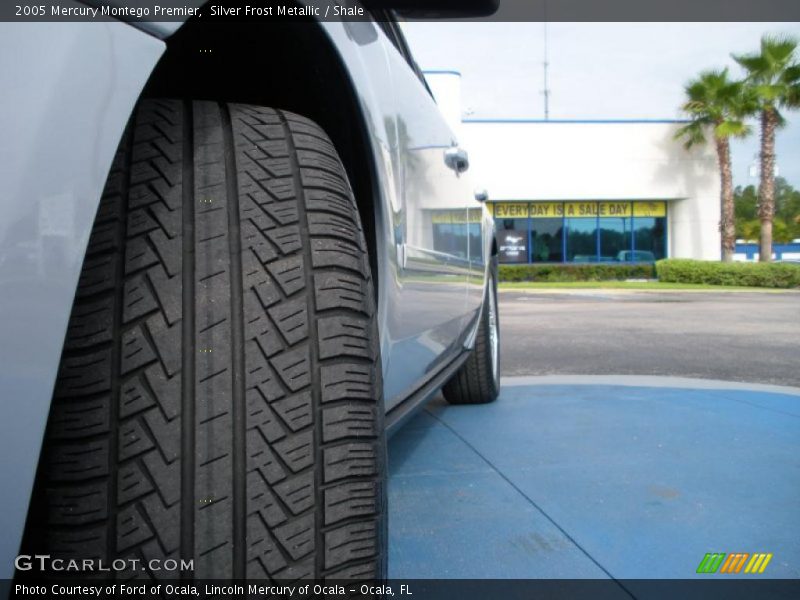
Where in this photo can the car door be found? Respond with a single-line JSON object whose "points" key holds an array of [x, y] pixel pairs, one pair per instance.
{"points": [[430, 309]]}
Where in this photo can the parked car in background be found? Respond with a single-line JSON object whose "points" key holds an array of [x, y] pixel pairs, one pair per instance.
{"points": [[636, 256], [220, 289]]}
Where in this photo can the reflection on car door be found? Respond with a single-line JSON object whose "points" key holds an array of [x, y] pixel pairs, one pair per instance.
{"points": [[430, 309]]}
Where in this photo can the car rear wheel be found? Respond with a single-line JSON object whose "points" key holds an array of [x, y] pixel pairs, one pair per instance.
{"points": [[478, 379], [219, 398]]}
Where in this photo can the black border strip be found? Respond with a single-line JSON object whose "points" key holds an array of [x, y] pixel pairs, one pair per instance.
{"points": [[144, 11]]}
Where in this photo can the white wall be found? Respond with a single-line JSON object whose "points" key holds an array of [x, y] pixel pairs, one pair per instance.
{"points": [[602, 161], [446, 88]]}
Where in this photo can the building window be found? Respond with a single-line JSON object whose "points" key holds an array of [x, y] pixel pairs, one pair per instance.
{"points": [[512, 240], [547, 240], [581, 223], [582, 240], [649, 238], [581, 232], [513, 232], [450, 231], [547, 232], [649, 231], [614, 231], [615, 239], [475, 233]]}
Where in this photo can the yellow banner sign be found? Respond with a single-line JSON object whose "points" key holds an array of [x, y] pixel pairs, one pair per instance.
{"points": [[594, 209], [615, 209], [511, 210], [456, 217], [475, 215], [650, 209], [440, 217], [546, 210], [580, 209]]}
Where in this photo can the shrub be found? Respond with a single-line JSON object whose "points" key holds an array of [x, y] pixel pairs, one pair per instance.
{"points": [[774, 275], [576, 272]]}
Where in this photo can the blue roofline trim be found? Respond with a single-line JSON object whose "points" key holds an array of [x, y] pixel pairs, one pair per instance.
{"points": [[441, 72], [581, 121]]}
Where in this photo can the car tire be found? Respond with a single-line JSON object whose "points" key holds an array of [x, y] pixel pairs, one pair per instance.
{"points": [[219, 397], [478, 380]]}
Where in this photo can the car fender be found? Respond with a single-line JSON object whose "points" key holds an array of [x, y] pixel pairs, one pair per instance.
{"points": [[68, 90], [59, 141]]}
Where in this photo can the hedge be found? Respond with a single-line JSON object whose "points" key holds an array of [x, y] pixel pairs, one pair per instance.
{"points": [[576, 272], [773, 275]]}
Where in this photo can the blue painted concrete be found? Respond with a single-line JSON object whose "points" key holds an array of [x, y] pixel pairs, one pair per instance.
{"points": [[595, 481]]}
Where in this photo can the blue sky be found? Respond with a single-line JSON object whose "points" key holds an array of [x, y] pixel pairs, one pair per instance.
{"points": [[597, 71]]}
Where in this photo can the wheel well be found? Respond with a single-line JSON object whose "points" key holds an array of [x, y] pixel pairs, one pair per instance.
{"points": [[288, 65]]}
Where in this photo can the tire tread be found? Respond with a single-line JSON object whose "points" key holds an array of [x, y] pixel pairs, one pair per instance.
{"points": [[219, 396]]}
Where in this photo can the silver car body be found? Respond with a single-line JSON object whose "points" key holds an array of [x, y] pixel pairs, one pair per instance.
{"points": [[68, 91]]}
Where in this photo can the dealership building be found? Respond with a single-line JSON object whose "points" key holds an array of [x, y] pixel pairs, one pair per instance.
{"points": [[582, 191]]}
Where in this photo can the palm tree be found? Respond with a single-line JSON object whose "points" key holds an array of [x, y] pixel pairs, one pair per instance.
{"points": [[716, 103], [774, 76]]}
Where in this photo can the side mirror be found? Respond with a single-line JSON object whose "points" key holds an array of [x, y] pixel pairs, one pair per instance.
{"points": [[457, 159]]}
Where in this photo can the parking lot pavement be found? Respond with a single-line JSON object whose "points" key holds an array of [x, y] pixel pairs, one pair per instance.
{"points": [[609, 478], [732, 336]]}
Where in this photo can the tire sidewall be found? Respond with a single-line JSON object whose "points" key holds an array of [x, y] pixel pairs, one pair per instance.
{"points": [[492, 367]]}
